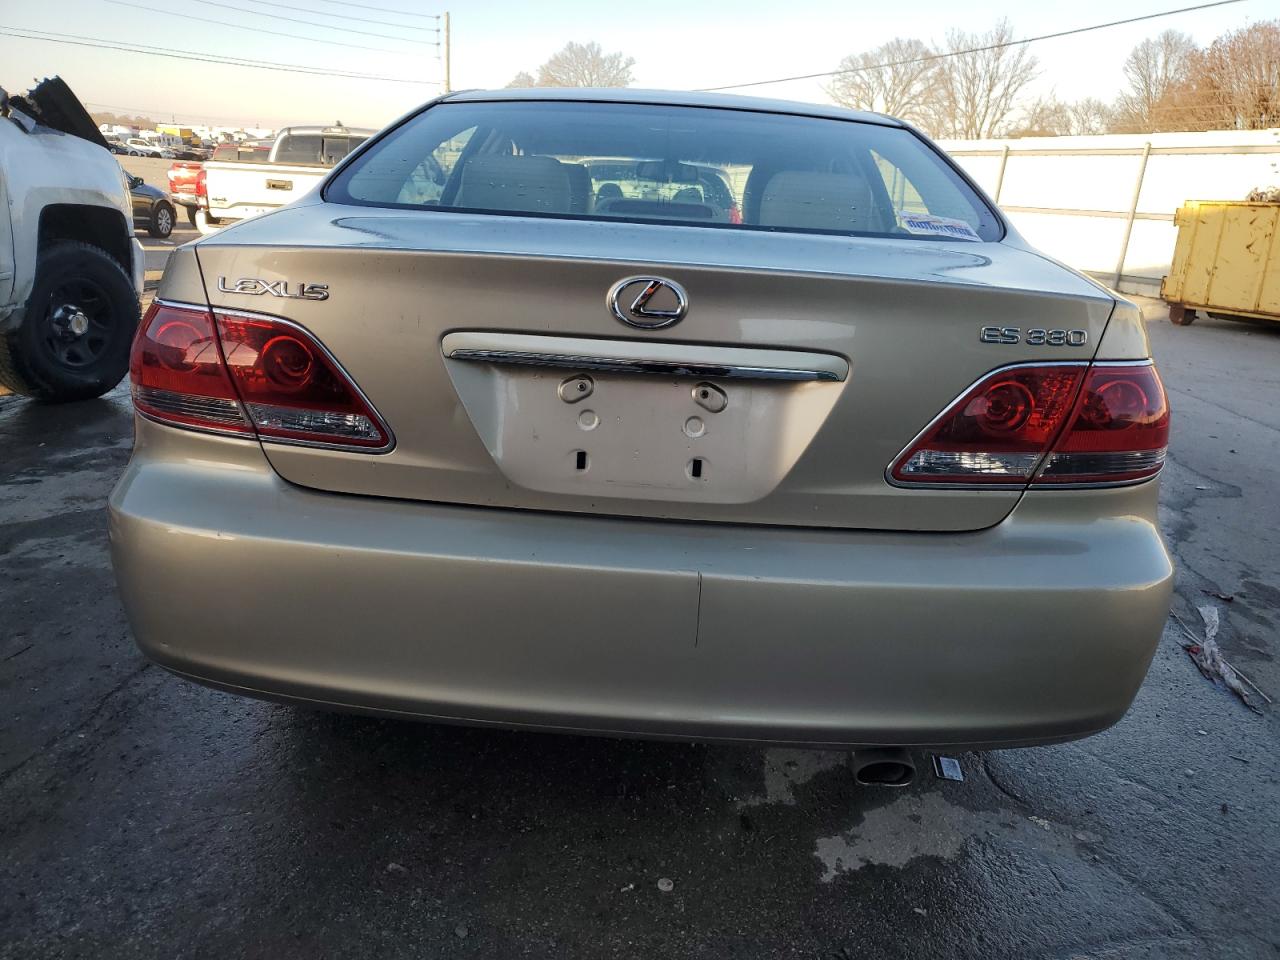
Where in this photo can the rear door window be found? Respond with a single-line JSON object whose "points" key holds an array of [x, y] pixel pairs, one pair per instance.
{"points": [[299, 148], [336, 148], [698, 166]]}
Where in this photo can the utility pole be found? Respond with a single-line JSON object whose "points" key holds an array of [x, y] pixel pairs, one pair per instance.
{"points": [[448, 88]]}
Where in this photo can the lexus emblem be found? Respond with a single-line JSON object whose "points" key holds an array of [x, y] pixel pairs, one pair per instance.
{"points": [[648, 302]]}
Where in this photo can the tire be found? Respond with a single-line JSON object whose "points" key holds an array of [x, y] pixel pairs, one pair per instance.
{"points": [[73, 342], [205, 223], [191, 215], [1180, 316], [161, 220]]}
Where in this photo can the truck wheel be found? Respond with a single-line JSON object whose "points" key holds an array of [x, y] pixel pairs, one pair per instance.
{"points": [[205, 223], [73, 342], [1180, 316], [191, 215]]}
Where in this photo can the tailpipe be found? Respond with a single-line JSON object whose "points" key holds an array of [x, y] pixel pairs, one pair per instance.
{"points": [[883, 767]]}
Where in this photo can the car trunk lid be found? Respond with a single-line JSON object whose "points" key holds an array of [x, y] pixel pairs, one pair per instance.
{"points": [[804, 365]]}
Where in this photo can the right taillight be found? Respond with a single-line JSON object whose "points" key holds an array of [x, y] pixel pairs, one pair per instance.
{"points": [[202, 183], [1062, 423], [1118, 432]]}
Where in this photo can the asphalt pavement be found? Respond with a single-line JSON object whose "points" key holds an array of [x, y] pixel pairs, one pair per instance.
{"points": [[146, 817]]}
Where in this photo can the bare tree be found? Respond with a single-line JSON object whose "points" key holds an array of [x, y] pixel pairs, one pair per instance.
{"points": [[1088, 116], [585, 65], [1156, 70], [981, 81], [1235, 83], [897, 78], [522, 79], [1043, 117]]}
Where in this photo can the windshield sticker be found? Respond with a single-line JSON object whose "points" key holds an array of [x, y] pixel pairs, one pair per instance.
{"points": [[929, 225]]}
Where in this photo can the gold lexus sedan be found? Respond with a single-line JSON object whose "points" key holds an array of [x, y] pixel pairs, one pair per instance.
{"points": [[655, 414]]}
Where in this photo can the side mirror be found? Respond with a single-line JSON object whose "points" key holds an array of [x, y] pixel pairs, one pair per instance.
{"points": [[134, 182]]}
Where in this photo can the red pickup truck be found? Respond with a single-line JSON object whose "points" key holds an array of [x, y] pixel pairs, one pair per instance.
{"points": [[182, 185]]}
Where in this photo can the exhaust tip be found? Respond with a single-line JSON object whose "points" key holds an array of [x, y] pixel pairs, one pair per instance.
{"points": [[883, 767]]}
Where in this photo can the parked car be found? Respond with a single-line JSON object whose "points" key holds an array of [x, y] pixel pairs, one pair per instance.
{"points": [[117, 146], [297, 161], [862, 470], [151, 208], [138, 147], [70, 268]]}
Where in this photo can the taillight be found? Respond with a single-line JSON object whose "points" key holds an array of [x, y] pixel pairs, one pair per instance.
{"points": [[202, 183], [252, 375], [1052, 423], [177, 372], [1119, 430]]}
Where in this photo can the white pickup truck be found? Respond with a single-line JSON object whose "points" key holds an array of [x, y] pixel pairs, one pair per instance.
{"points": [[70, 268], [299, 159]]}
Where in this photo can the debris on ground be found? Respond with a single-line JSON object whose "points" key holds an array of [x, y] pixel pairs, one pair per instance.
{"points": [[1206, 655], [397, 869], [947, 768], [666, 884], [920, 910], [628, 888], [461, 931]]}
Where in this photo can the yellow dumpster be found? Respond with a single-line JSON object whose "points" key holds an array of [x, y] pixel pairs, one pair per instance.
{"points": [[1226, 261]]}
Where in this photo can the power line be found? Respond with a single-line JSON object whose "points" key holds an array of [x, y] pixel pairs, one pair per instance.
{"points": [[257, 30], [321, 13], [308, 23], [402, 13], [957, 53], [24, 33]]}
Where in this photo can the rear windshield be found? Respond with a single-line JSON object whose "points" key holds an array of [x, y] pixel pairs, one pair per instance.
{"points": [[324, 149], [685, 165]]}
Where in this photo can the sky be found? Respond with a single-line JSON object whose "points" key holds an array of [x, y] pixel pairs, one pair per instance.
{"points": [[677, 44]]}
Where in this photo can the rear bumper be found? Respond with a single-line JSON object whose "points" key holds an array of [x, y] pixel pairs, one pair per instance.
{"points": [[1038, 629]]}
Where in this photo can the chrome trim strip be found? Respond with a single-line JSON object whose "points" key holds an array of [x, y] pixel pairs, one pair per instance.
{"points": [[675, 368], [251, 315]]}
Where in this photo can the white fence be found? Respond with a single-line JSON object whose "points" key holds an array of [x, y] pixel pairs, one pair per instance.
{"points": [[1105, 204]]}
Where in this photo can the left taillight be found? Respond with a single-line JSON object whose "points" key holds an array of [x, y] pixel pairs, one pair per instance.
{"points": [[177, 373], [248, 375]]}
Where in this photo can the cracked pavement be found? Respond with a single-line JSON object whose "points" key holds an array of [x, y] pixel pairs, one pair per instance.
{"points": [[147, 817]]}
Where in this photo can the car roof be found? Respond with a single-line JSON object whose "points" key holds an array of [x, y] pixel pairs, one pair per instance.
{"points": [[672, 98]]}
